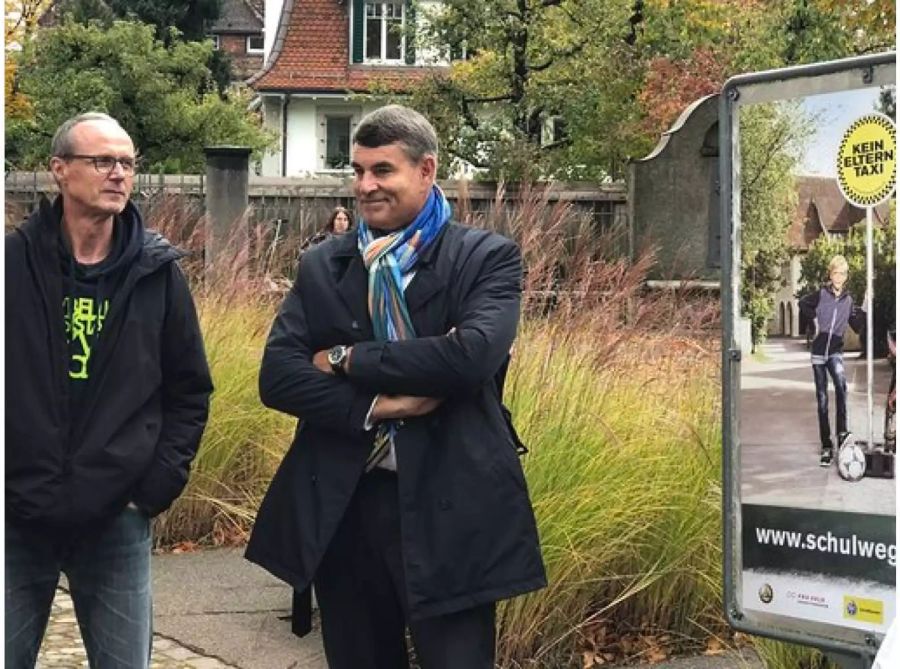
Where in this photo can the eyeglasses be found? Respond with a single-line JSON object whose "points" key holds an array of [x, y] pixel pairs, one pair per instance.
{"points": [[106, 164]]}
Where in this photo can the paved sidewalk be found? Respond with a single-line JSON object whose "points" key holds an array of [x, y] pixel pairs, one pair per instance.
{"points": [[64, 648], [213, 609], [780, 436]]}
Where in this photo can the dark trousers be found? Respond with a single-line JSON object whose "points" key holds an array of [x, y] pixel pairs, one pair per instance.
{"points": [[109, 579], [834, 367], [361, 596]]}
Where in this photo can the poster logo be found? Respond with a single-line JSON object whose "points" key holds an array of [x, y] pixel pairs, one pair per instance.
{"points": [[867, 160], [864, 610], [766, 593]]}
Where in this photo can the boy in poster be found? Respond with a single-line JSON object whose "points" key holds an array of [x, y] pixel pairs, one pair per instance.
{"points": [[831, 309]]}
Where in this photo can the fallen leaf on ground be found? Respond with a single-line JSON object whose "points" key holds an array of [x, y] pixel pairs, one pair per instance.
{"points": [[590, 659], [714, 647], [656, 655], [185, 547]]}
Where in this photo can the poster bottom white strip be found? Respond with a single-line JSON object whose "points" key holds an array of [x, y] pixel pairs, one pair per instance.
{"points": [[861, 605]]}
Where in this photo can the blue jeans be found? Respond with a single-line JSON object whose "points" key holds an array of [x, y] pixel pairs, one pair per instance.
{"points": [[109, 579], [834, 367]]}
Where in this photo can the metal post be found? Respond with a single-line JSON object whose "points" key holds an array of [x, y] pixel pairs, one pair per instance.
{"points": [[870, 335]]}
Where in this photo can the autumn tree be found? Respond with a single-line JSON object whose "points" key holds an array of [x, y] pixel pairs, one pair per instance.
{"points": [[20, 23], [521, 56], [692, 46], [20, 20], [574, 88]]}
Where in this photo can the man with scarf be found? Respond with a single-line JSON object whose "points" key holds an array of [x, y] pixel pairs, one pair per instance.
{"points": [[107, 395], [402, 499]]}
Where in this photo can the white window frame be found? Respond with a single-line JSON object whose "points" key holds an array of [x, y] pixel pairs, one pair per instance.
{"points": [[323, 112], [384, 32], [329, 116], [217, 42], [261, 49]]}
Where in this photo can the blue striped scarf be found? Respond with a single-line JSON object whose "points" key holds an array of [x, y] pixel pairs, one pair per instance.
{"points": [[388, 259]]}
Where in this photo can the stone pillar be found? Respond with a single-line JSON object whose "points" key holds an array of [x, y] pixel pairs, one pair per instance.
{"points": [[227, 197]]}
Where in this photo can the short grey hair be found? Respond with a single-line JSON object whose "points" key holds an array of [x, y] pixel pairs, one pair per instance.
{"points": [[62, 140], [396, 123]]}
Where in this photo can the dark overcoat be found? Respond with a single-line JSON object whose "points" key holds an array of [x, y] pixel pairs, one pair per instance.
{"points": [[467, 525]]}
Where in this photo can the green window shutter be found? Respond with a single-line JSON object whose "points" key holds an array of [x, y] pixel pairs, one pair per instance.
{"points": [[411, 34], [357, 47]]}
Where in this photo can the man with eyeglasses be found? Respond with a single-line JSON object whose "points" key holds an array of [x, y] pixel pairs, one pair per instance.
{"points": [[107, 395]]}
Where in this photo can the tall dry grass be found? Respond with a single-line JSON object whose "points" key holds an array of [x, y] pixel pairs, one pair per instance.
{"points": [[615, 389]]}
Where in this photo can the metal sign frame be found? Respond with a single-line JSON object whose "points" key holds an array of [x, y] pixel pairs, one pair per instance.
{"points": [[775, 85]]}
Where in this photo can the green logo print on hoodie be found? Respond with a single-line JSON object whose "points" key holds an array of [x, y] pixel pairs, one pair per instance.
{"points": [[84, 321]]}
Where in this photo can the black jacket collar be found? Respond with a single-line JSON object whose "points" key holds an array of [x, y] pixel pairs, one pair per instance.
{"points": [[352, 276]]}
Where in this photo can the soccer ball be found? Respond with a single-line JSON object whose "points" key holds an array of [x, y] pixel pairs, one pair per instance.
{"points": [[851, 462]]}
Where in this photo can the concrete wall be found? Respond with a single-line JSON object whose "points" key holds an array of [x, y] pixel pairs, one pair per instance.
{"points": [[673, 198]]}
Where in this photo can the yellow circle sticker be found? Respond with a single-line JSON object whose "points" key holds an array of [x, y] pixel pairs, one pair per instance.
{"points": [[867, 160]]}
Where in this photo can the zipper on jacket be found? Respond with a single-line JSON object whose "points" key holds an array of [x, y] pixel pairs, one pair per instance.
{"points": [[830, 332]]}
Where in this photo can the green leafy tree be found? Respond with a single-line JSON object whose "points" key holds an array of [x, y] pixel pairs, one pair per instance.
{"points": [[192, 18], [861, 27], [525, 64], [162, 94], [771, 149], [614, 74], [185, 20]]}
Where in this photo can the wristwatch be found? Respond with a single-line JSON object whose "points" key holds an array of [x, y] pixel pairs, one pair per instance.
{"points": [[337, 356]]}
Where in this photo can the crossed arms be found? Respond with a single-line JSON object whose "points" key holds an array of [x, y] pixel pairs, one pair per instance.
{"points": [[411, 377]]}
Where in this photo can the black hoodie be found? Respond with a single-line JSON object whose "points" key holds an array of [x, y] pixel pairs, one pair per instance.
{"points": [[87, 292], [79, 449]]}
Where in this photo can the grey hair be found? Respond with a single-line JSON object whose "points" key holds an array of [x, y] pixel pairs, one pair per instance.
{"points": [[62, 141], [395, 123]]}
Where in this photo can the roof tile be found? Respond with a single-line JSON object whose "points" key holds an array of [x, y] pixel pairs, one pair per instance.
{"points": [[312, 53]]}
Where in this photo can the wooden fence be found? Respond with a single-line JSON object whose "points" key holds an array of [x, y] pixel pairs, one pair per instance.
{"points": [[299, 207]]}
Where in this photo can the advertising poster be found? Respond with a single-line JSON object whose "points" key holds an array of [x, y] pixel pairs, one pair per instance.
{"points": [[816, 528]]}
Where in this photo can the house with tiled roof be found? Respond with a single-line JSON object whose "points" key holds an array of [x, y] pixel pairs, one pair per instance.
{"points": [[821, 210], [320, 56], [239, 32]]}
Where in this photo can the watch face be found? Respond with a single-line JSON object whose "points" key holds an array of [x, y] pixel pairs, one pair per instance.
{"points": [[336, 355]]}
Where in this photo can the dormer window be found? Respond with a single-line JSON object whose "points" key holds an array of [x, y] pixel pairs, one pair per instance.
{"points": [[384, 38], [255, 44]]}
